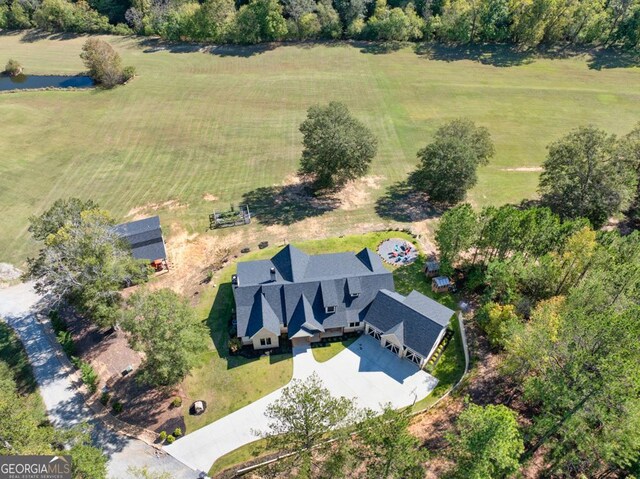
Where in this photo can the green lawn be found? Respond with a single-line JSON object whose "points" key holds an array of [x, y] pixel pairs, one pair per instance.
{"points": [[324, 353], [226, 123]]}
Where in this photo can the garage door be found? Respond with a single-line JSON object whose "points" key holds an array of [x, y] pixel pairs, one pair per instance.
{"points": [[392, 347]]}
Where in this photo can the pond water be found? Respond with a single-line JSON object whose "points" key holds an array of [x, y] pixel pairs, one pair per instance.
{"points": [[29, 82]]}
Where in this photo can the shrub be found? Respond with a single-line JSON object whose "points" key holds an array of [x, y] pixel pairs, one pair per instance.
{"points": [[177, 402], [121, 29], [13, 68], [235, 344], [177, 432], [128, 73], [57, 323], [104, 398], [66, 341], [162, 436], [89, 375], [117, 407], [170, 439], [497, 321]]}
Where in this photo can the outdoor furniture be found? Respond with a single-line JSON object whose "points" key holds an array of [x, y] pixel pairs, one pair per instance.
{"points": [[397, 251]]}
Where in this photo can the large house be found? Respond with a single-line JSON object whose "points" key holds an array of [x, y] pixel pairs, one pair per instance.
{"points": [[310, 297]]}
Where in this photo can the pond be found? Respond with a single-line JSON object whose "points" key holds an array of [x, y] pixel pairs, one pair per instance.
{"points": [[30, 82]]}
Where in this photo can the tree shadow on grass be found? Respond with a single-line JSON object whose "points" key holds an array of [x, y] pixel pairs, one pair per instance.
{"points": [[32, 36], [604, 58], [285, 205], [496, 55], [509, 55], [404, 202], [154, 45], [380, 48]]}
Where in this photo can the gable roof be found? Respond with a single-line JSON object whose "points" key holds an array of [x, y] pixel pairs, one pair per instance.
{"points": [[145, 238], [326, 280], [303, 318], [419, 319], [294, 266], [262, 316]]}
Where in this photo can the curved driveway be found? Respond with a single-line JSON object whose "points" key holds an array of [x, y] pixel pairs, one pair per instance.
{"points": [[366, 372], [65, 406]]}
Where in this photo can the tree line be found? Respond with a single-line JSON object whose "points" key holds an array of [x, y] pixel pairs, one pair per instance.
{"points": [[559, 301], [523, 22]]}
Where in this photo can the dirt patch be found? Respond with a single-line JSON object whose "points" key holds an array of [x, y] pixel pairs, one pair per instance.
{"points": [[357, 193], [424, 231], [110, 355], [140, 212], [524, 168], [209, 197]]}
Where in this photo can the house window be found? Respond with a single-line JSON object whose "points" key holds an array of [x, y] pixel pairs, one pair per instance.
{"points": [[265, 341], [331, 309], [354, 325]]}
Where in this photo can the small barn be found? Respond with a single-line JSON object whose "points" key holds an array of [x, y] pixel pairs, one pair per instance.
{"points": [[146, 241], [431, 268], [440, 284]]}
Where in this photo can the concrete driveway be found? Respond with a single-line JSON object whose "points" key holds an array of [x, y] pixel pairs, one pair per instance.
{"points": [[65, 406], [366, 372]]}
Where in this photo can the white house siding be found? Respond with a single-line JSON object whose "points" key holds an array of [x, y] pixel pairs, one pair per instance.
{"points": [[435, 345], [393, 339], [264, 334]]}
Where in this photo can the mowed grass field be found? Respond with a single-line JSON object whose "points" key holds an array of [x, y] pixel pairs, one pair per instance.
{"points": [[225, 122]]}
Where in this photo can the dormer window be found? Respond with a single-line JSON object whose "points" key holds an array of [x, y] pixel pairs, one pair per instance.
{"points": [[330, 309]]}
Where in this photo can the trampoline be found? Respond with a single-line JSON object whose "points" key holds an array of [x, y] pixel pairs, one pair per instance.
{"points": [[397, 251]]}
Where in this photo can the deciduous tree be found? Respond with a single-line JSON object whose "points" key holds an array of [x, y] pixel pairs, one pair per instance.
{"points": [[83, 260], [337, 147], [486, 443], [104, 63], [583, 177], [386, 448], [166, 329], [448, 164], [303, 418]]}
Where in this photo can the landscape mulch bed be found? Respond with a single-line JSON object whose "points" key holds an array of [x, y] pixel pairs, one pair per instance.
{"points": [[109, 353]]}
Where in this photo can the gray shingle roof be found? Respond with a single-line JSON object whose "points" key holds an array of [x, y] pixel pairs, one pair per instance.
{"points": [[145, 238], [420, 330], [304, 285], [329, 295], [354, 285], [325, 277]]}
